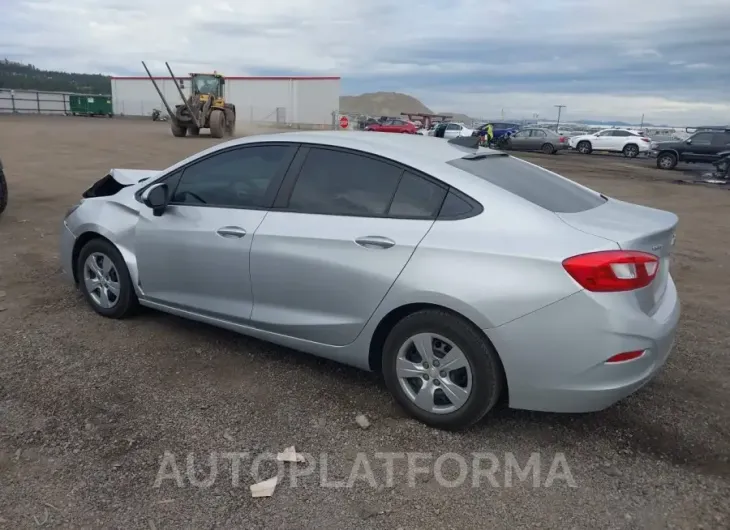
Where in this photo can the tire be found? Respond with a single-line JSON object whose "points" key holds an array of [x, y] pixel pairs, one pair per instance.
{"points": [[666, 161], [548, 149], [484, 383], [3, 190], [193, 131], [230, 122], [631, 150], [584, 147], [177, 130], [217, 123], [124, 302]]}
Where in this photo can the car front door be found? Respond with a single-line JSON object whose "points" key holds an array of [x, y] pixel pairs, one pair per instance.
{"points": [[699, 148], [602, 141], [340, 233], [195, 256], [520, 141]]}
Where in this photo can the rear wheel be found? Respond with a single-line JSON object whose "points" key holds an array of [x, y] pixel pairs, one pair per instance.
{"points": [[217, 123], [585, 147], [230, 122], [548, 149], [104, 279], [631, 151], [178, 131], [666, 161], [441, 370]]}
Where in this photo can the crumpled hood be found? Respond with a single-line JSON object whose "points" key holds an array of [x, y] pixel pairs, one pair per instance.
{"points": [[128, 177]]}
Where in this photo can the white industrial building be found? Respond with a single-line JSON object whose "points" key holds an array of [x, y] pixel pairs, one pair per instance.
{"points": [[284, 100]]}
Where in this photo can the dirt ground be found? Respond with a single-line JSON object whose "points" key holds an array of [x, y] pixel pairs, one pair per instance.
{"points": [[89, 406]]}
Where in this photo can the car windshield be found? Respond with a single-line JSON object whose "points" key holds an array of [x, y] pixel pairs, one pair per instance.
{"points": [[206, 84], [532, 183]]}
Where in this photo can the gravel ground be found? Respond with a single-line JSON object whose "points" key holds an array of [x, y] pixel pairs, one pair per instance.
{"points": [[89, 406]]}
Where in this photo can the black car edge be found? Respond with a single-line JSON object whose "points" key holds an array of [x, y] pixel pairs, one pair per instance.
{"points": [[669, 154], [3, 189]]}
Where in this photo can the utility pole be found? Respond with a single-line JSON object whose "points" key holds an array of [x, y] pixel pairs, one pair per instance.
{"points": [[642, 121], [560, 108]]}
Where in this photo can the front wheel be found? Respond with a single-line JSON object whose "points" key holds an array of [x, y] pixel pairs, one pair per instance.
{"points": [[104, 279], [441, 370], [585, 148], [666, 161]]}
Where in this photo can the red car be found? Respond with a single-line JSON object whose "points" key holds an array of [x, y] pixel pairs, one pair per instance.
{"points": [[393, 126]]}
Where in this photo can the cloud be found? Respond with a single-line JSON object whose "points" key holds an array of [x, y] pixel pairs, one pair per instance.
{"points": [[614, 59]]}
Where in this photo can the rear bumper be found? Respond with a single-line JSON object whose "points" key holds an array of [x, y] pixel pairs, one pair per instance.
{"points": [[66, 247], [554, 358]]}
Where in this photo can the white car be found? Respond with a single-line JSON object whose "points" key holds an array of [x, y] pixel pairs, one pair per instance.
{"points": [[630, 143], [453, 130]]}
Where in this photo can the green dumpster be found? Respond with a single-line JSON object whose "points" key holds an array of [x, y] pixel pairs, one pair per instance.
{"points": [[90, 105]]}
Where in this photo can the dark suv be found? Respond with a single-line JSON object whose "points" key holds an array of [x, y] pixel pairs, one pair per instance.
{"points": [[705, 145]]}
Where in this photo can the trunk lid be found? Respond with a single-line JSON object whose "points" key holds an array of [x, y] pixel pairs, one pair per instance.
{"points": [[633, 227]]}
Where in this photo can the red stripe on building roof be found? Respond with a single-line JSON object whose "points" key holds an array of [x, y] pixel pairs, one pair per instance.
{"points": [[238, 78]]}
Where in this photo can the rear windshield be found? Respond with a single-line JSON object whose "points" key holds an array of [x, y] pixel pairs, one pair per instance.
{"points": [[532, 183]]}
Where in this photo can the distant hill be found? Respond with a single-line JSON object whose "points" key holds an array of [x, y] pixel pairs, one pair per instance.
{"points": [[21, 76], [382, 104]]}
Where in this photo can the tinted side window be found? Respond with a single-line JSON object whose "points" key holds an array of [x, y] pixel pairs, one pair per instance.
{"points": [[239, 178], [702, 138], [532, 183], [454, 207], [341, 183], [622, 133], [416, 197], [721, 139]]}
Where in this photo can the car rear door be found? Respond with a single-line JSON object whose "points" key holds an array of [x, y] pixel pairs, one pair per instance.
{"points": [[342, 229], [537, 138], [195, 256]]}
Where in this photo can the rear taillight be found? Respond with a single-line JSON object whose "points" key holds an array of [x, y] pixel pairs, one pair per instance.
{"points": [[625, 356], [563, 139], [613, 270], [646, 140]]}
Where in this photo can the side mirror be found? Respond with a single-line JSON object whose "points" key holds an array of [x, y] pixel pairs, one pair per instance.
{"points": [[156, 197]]}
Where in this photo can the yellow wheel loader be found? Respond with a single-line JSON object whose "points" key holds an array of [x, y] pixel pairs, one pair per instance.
{"points": [[206, 108]]}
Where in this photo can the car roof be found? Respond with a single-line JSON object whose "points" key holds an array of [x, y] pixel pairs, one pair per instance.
{"points": [[423, 153]]}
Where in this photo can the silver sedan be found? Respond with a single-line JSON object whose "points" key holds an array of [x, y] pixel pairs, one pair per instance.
{"points": [[460, 273]]}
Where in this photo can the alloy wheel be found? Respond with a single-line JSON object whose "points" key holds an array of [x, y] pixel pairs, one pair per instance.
{"points": [[434, 373], [102, 280]]}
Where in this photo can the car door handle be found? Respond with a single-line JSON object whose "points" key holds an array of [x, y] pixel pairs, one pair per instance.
{"points": [[375, 242], [231, 232]]}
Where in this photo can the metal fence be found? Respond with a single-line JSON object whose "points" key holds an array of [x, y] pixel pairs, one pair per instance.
{"points": [[35, 102]]}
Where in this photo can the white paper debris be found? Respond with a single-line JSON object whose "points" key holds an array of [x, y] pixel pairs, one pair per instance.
{"points": [[362, 421], [265, 488], [290, 455]]}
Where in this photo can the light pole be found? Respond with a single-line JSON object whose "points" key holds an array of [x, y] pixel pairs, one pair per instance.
{"points": [[560, 108]]}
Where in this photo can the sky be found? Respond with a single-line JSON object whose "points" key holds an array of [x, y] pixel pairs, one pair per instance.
{"points": [[603, 59]]}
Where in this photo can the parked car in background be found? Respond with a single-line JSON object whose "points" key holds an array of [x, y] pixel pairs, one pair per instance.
{"points": [[456, 272], [3, 189], [703, 146], [394, 126], [456, 129], [499, 128], [537, 139], [630, 143]]}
